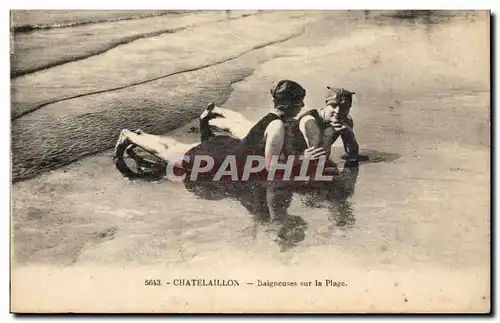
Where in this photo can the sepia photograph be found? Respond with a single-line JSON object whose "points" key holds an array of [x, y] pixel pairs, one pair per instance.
{"points": [[250, 161]]}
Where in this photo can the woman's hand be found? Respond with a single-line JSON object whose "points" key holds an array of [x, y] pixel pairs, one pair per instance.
{"points": [[313, 153]]}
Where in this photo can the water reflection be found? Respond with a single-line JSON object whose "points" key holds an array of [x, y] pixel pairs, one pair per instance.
{"points": [[335, 197], [286, 231], [291, 229]]}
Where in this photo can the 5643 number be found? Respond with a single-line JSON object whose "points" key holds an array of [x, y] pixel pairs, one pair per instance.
{"points": [[152, 282]]}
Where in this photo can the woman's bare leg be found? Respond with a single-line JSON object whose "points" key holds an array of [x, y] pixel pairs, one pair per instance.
{"points": [[170, 150], [164, 140], [232, 115], [163, 147], [230, 121], [238, 130]]}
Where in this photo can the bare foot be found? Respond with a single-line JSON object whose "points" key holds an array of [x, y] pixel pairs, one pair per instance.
{"points": [[207, 111], [121, 139]]}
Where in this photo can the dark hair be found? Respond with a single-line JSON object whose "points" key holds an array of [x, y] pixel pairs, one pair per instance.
{"points": [[287, 93]]}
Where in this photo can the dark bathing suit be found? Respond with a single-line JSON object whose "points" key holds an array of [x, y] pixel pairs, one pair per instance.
{"points": [[252, 193], [220, 146], [298, 142]]}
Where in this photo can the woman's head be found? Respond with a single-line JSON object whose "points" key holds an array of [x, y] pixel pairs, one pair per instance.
{"points": [[338, 102], [288, 97]]}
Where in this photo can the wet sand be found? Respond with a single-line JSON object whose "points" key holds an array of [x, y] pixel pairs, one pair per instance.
{"points": [[31, 54], [414, 236]]}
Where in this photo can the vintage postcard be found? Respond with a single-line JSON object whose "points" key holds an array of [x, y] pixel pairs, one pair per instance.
{"points": [[227, 161]]}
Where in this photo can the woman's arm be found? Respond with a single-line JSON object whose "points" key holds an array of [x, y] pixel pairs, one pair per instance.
{"points": [[275, 140]]}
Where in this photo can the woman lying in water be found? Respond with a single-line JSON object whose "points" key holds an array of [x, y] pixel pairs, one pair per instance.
{"points": [[315, 128], [264, 140]]}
